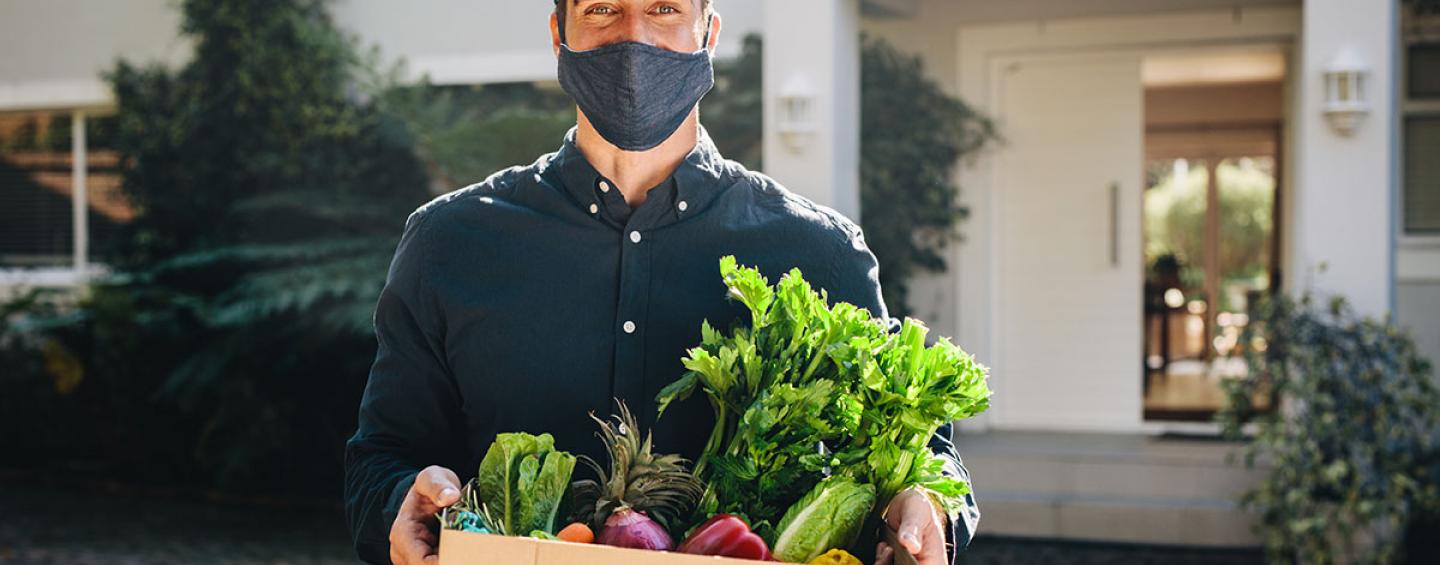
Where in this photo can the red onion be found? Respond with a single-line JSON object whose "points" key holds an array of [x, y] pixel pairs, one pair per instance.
{"points": [[628, 528]]}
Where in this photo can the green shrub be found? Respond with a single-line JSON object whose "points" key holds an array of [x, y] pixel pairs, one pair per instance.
{"points": [[466, 133], [912, 134], [232, 345], [1354, 447], [272, 195]]}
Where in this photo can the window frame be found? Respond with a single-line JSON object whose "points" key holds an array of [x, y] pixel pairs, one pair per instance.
{"points": [[81, 270], [1412, 31]]}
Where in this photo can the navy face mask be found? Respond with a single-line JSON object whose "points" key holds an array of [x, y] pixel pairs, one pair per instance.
{"points": [[636, 95]]}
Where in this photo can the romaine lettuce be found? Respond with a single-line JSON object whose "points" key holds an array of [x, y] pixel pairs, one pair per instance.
{"points": [[522, 480], [829, 517]]}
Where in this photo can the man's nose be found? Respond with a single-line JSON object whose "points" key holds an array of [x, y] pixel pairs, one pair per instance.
{"points": [[633, 27]]}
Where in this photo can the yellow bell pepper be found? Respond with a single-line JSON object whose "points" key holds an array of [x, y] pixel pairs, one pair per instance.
{"points": [[836, 557]]}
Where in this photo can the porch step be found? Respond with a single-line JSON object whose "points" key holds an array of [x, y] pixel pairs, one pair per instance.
{"points": [[1113, 488]]}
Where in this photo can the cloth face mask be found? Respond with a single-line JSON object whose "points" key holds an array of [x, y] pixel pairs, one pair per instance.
{"points": [[636, 95]]}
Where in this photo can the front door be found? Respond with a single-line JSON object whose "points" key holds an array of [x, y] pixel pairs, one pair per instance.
{"points": [[1068, 249]]}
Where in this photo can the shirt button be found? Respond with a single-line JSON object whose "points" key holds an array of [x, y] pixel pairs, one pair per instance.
{"points": [[635, 236], [629, 327], [594, 208], [604, 186], [683, 205]]}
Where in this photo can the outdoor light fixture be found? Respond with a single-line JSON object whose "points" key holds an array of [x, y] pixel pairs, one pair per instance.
{"points": [[795, 119], [1345, 105]]}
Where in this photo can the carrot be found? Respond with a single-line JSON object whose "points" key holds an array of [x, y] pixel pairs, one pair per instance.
{"points": [[578, 533]]}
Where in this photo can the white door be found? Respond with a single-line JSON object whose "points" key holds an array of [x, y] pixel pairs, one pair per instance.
{"points": [[1067, 184]]}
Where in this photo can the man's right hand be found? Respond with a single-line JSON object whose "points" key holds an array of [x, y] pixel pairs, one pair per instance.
{"points": [[412, 540]]}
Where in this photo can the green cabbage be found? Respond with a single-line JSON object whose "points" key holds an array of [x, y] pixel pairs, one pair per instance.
{"points": [[829, 517]]}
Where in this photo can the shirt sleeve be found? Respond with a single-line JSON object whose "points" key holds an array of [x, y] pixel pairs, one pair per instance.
{"points": [[858, 282], [410, 412]]}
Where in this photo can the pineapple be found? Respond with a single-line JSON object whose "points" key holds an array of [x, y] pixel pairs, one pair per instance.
{"points": [[657, 485]]}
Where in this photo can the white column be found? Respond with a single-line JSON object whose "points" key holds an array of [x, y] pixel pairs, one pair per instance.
{"points": [[814, 46], [79, 169], [1345, 186]]}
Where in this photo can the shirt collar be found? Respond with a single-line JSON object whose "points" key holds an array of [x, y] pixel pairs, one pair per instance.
{"points": [[698, 179]]}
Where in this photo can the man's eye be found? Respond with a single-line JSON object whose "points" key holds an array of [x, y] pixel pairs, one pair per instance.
{"points": [[667, 10], [600, 10]]}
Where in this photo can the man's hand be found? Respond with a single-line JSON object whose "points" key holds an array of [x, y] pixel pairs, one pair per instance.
{"points": [[411, 540], [920, 528]]}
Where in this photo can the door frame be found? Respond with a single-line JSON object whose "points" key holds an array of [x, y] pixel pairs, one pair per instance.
{"points": [[983, 52], [1212, 157]]}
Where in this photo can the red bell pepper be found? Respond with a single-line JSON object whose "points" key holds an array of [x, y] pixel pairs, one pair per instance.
{"points": [[726, 535]]}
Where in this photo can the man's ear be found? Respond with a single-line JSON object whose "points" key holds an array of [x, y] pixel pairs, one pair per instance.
{"points": [[714, 32], [555, 32]]}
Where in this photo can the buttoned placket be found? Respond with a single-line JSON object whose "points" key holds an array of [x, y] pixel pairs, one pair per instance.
{"points": [[634, 284], [695, 183]]}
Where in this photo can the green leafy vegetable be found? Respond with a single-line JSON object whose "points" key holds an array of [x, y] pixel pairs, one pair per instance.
{"points": [[828, 517], [522, 481], [806, 390]]}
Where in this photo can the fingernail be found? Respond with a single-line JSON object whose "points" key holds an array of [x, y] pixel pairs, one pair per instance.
{"points": [[447, 493], [910, 541]]}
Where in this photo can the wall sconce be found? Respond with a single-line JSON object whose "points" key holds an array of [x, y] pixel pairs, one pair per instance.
{"points": [[1345, 105], [795, 120]]}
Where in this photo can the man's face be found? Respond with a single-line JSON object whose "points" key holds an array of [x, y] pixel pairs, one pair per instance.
{"points": [[676, 25]]}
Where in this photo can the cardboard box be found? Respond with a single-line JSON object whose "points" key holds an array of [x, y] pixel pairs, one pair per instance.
{"points": [[469, 548]]}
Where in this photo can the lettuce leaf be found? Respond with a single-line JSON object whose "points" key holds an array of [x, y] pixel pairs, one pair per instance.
{"points": [[829, 517], [522, 480], [540, 496]]}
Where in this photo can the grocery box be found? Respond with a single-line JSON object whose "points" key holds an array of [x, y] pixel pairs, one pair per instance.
{"points": [[469, 548]]}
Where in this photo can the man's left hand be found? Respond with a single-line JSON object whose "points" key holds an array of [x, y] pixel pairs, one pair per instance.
{"points": [[920, 528]]}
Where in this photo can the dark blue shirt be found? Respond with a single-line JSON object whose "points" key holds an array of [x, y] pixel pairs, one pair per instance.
{"points": [[529, 300]]}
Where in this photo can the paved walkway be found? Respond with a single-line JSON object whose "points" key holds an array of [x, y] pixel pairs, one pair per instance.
{"points": [[47, 525], [1012, 551]]}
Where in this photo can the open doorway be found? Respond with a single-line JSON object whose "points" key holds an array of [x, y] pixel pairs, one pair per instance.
{"points": [[1211, 219]]}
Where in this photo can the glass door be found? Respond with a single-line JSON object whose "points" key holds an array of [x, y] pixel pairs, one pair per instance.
{"points": [[1210, 218]]}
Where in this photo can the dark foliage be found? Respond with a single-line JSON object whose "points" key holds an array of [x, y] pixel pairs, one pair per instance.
{"points": [[733, 113], [912, 134], [232, 344], [1354, 449]]}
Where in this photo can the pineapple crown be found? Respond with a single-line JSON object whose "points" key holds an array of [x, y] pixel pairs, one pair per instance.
{"points": [[660, 486]]}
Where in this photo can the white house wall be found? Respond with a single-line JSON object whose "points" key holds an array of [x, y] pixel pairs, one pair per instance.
{"points": [[458, 41], [1344, 200], [930, 33], [52, 52], [812, 49], [485, 41]]}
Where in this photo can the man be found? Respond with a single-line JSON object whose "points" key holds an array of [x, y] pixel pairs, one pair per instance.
{"points": [[529, 300]]}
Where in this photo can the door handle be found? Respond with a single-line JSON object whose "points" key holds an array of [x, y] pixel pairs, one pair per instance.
{"points": [[1114, 225]]}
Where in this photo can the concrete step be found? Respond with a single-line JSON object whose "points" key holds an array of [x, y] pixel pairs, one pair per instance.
{"points": [[1113, 488]]}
